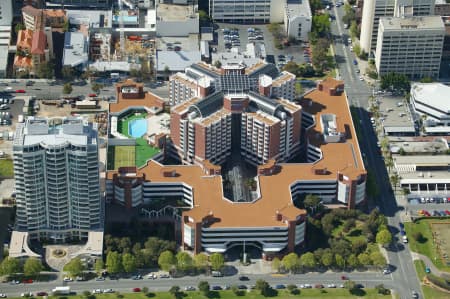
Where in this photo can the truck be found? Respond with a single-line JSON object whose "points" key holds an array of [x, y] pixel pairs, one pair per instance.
{"points": [[61, 290]]}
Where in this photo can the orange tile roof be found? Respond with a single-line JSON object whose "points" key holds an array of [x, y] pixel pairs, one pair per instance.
{"points": [[22, 62], [25, 39], [39, 43], [54, 13], [30, 10]]}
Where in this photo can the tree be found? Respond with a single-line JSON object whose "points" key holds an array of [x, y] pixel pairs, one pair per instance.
{"points": [[327, 258], [201, 261], [291, 67], [32, 267], [113, 262], [67, 72], [67, 88], [217, 261], [378, 259], [350, 285], [276, 264], [359, 246], [312, 202], [394, 81], [384, 237], [218, 64], [166, 260], [203, 286], [298, 90], [292, 288], [382, 290], [262, 286], [167, 70], [418, 236], [99, 266], [339, 260], [10, 266], [19, 26], [184, 261], [128, 262], [308, 260], [203, 16], [235, 290], [124, 245], [354, 32], [45, 70], [328, 223], [352, 261], [364, 259], [96, 87], [395, 179], [66, 25], [175, 291], [75, 267], [320, 26], [290, 262]]}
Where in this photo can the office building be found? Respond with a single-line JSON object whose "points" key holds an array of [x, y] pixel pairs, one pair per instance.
{"points": [[373, 10], [6, 12], [57, 179], [430, 102], [333, 170], [410, 46], [297, 19], [247, 11], [79, 3]]}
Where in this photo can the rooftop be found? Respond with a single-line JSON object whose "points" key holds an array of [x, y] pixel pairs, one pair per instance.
{"points": [[435, 95], [412, 23], [30, 10], [176, 60], [297, 8], [171, 12], [39, 43], [75, 49], [91, 18]]}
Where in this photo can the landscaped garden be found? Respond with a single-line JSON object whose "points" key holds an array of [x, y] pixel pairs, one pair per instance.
{"points": [[428, 291], [6, 168], [431, 237]]}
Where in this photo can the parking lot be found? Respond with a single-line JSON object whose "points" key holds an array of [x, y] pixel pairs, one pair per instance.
{"points": [[237, 36]]}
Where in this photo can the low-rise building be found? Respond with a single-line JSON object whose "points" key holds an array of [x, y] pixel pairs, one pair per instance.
{"points": [[33, 50], [76, 47], [298, 19]]}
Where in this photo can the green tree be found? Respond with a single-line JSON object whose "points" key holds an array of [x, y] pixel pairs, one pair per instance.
{"points": [[67, 88], [312, 202], [350, 285], [201, 261], [276, 264], [45, 70], [349, 15], [395, 81], [66, 25], [19, 26], [315, 5], [113, 262], [378, 259], [339, 260], [203, 286], [352, 261], [262, 286], [359, 246], [320, 25], [128, 262], [75, 267], [166, 260], [291, 67], [327, 259], [96, 87], [292, 288], [32, 267], [67, 72], [184, 261], [10, 266], [175, 291], [235, 290], [290, 262], [99, 266], [218, 64], [354, 31], [395, 180], [203, 16], [217, 261], [308, 260], [384, 237], [364, 259]]}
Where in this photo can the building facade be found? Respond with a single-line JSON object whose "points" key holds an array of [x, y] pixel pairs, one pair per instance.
{"points": [[79, 3], [246, 11], [57, 179], [410, 46], [297, 19], [6, 12], [373, 10]]}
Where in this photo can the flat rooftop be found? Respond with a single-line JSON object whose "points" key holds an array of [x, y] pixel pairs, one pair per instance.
{"points": [[75, 49], [420, 147], [172, 12], [435, 95], [412, 23]]}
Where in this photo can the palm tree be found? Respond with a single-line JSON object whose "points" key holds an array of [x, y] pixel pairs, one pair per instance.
{"points": [[389, 163], [395, 179]]}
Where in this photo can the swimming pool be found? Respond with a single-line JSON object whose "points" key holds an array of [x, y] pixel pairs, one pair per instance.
{"points": [[137, 127]]}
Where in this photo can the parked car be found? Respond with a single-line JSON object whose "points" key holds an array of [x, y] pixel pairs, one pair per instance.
{"points": [[20, 91], [331, 286], [39, 294], [243, 278], [3, 295], [427, 270], [108, 291], [97, 291], [280, 286], [447, 212], [189, 288], [100, 279], [216, 288], [242, 287], [136, 290], [344, 277], [318, 286]]}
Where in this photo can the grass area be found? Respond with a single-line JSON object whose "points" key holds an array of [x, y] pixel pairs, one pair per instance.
{"points": [[428, 292], [426, 246], [283, 294], [124, 156], [6, 168], [144, 151]]}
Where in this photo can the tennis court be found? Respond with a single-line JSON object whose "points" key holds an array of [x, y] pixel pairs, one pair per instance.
{"points": [[119, 156]]}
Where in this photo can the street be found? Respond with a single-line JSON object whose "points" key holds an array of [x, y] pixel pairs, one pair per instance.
{"points": [[368, 279], [358, 93]]}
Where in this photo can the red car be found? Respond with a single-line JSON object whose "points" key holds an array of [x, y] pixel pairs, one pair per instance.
{"points": [[343, 277], [447, 212], [92, 95], [136, 290], [20, 91], [27, 281], [41, 294]]}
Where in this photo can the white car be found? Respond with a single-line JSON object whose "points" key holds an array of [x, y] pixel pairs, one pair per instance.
{"points": [[8, 88], [331, 286], [386, 271], [108, 291], [67, 279], [3, 295], [361, 78], [97, 291]]}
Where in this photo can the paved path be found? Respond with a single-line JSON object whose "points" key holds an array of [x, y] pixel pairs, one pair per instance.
{"points": [[430, 264]]}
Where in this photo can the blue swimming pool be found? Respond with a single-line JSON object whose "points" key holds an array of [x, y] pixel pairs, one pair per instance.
{"points": [[137, 127]]}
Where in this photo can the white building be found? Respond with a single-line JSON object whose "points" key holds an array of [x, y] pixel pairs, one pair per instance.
{"points": [[6, 12], [297, 19], [431, 102], [373, 10], [76, 49], [247, 11], [57, 178], [410, 46]]}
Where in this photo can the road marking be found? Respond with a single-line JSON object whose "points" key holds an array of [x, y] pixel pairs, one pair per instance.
{"points": [[278, 275]]}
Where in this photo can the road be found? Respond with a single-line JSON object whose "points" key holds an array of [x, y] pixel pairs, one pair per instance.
{"points": [[358, 93], [42, 89], [368, 279]]}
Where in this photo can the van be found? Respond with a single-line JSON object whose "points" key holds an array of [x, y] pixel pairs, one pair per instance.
{"points": [[216, 274], [405, 239]]}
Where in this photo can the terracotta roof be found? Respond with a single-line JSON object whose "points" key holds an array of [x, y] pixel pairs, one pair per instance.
{"points": [[39, 43], [25, 39], [22, 62], [54, 13], [30, 10]]}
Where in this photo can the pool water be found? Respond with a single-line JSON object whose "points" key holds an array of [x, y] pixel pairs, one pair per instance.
{"points": [[137, 127]]}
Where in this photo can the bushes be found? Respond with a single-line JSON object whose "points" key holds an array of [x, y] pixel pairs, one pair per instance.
{"points": [[440, 282]]}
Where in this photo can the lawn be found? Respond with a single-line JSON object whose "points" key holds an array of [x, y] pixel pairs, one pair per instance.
{"points": [[426, 246], [283, 294], [6, 168], [428, 292], [119, 156], [144, 152]]}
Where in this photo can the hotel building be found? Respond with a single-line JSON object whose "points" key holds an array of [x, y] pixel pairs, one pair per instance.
{"points": [[333, 168], [57, 178]]}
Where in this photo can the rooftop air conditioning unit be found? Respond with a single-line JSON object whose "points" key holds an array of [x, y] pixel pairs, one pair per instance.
{"points": [[420, 174]]}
